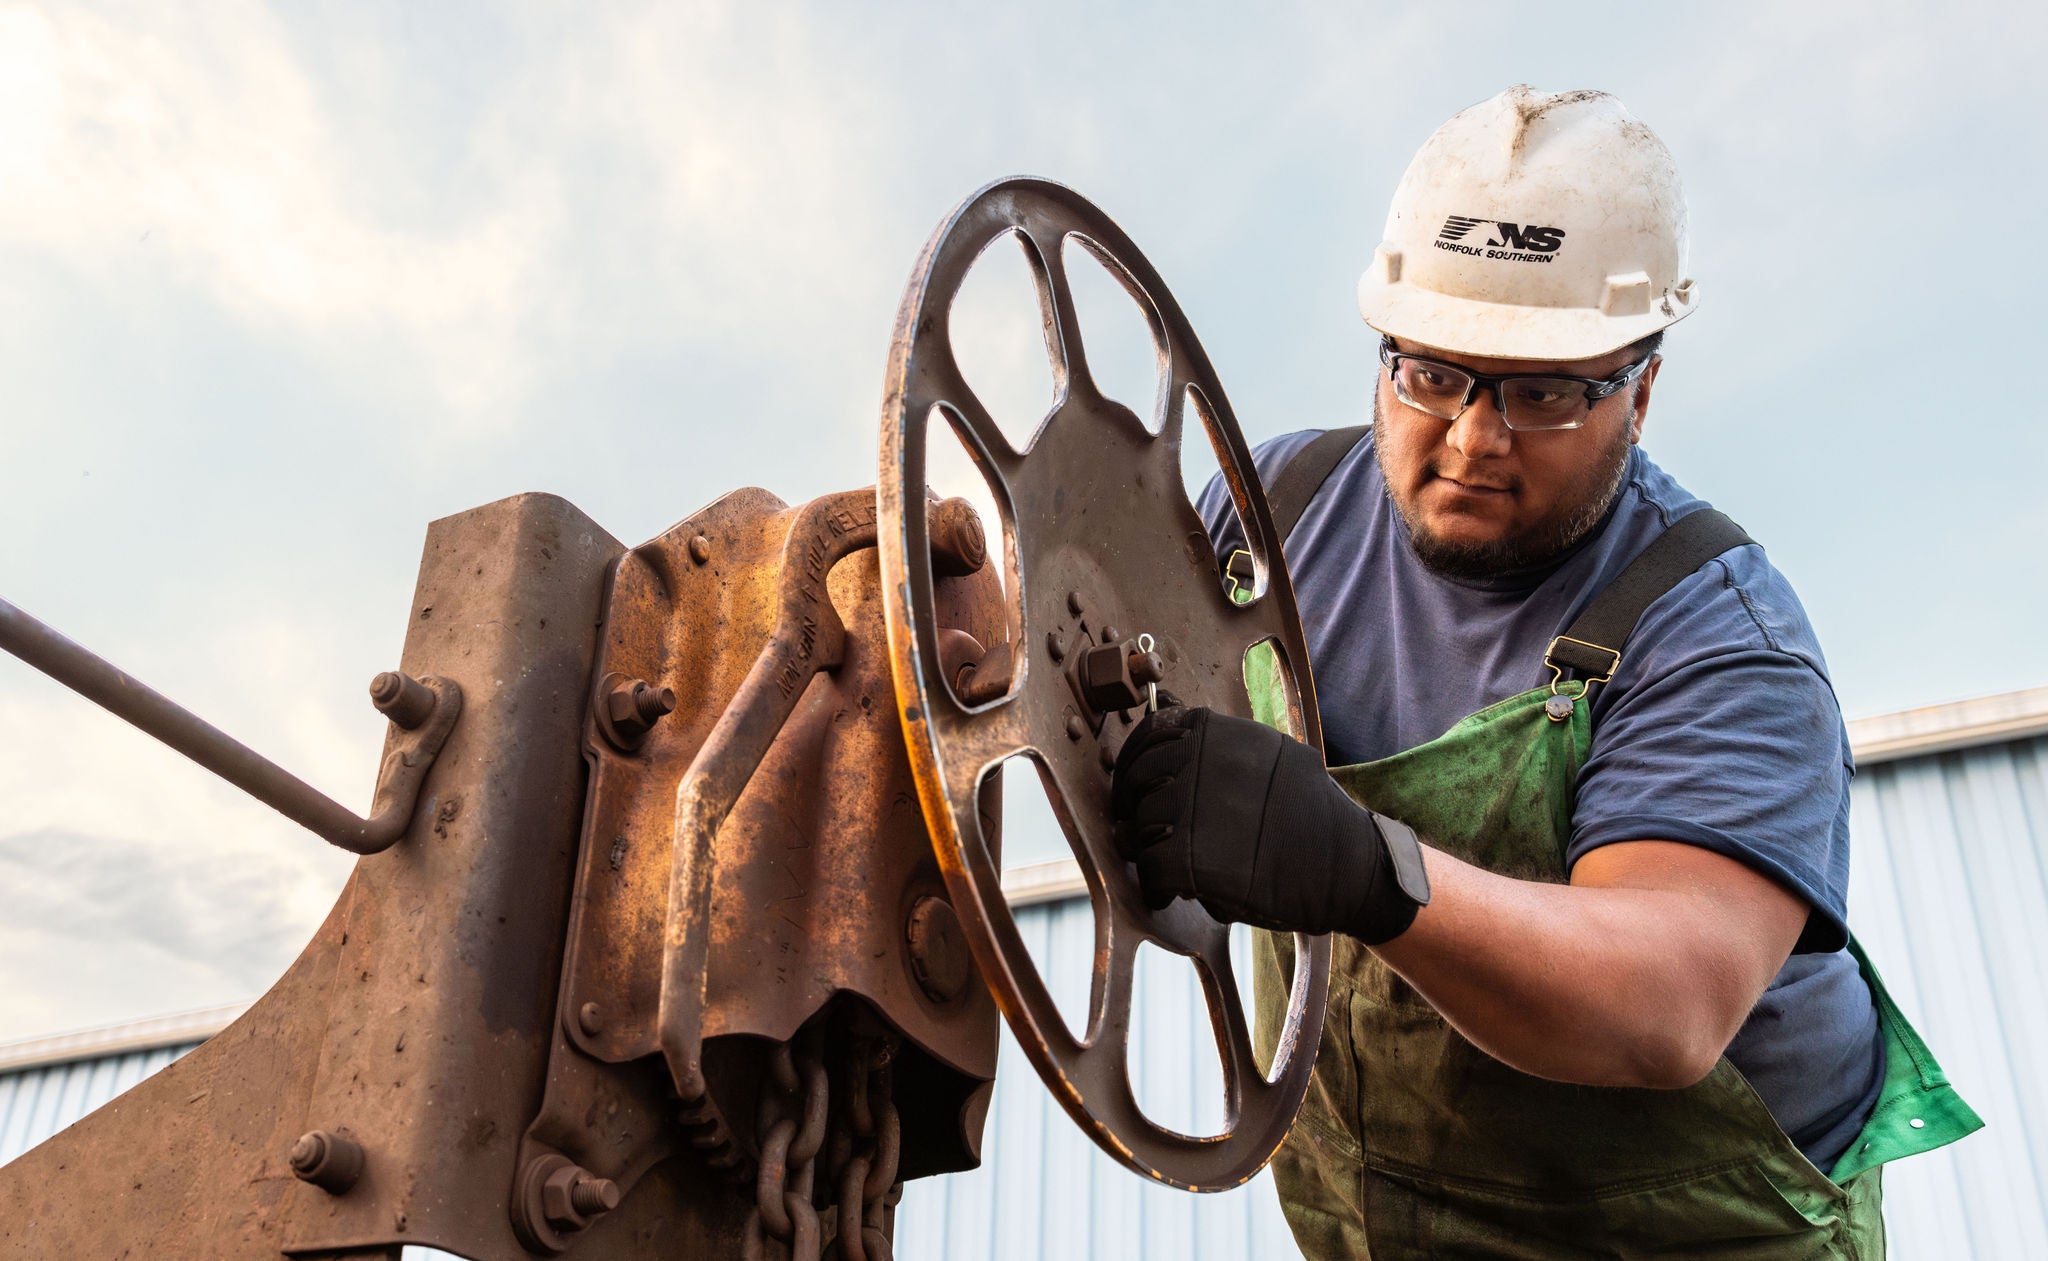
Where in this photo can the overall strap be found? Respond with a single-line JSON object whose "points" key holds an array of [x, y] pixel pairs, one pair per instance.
{"points": [[1304, 474], [1591, 646], [1291, 492]]}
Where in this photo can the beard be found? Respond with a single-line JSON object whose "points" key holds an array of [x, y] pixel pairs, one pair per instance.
{"points": [[1537, 545]]}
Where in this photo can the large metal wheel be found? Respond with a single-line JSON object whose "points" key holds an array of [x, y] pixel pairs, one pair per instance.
{"points": [[1100, 544]]}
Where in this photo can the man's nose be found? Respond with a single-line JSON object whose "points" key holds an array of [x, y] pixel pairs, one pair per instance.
{"points": [[1480, 431]]}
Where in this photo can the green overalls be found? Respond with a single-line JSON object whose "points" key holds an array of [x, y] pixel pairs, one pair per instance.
{"points": [[1414, 1143]]}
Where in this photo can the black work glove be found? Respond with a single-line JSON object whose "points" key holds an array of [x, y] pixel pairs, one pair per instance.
{"points": [[1249, 823]]}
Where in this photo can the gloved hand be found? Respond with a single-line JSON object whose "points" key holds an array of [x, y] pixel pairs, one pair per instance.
{"points": [[1249, 823]]}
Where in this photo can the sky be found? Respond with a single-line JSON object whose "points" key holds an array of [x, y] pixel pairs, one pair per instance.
{"points": [[280, 285]]}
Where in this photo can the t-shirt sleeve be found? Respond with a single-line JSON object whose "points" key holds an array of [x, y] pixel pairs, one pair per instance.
{"points": [[1718, 734]]}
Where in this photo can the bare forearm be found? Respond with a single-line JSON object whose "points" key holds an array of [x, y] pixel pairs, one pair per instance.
{"points": [[1615, 986]]}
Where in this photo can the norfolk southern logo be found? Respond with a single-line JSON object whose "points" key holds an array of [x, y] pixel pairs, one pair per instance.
{"points": [[1524, 244]]}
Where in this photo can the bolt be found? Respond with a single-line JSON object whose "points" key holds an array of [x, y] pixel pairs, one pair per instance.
{"points": [[1076, 728], [591, 1196], [402, 698], [328, 1160], [590, 1017], [1075, 605], [572, 1196], [1111, 634], [1056, 645], [1108, 758], [635, 705], [700, 549], [653, 704], [938, 949], [959, 544], [1146, 667]]}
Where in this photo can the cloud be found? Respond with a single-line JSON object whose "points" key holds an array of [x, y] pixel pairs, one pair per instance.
{"points": [[211, 142]]}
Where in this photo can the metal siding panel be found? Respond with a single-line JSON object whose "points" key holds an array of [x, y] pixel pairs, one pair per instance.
{"points": [[16, 1136], [1948, 892], [2005, 873], [1014, 1153], [1067, 1190], [1935, 939]]}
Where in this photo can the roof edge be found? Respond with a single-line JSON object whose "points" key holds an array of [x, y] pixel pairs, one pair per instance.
{"points": [[1955, 725], [152, 1034]]}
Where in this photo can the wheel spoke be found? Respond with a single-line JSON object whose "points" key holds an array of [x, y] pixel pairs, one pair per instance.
{"points": [[1233, 1031], [1048, 260], [977, 741]]}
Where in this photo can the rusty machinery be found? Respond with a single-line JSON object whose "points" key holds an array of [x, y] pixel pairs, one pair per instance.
{"points": [[679, 928]]}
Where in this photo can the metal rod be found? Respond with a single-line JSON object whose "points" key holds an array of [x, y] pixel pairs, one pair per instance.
{"points": [[142, 706]]}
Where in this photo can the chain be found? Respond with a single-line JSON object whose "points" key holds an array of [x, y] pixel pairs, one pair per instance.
{"points": [[870, 1136], [857, 1130], [795, 1103]]}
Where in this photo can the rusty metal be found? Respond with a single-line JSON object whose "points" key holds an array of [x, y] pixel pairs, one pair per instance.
{"points": [[776, 652], [627, 709], [794, 1108], [557, 1201], [402, 698], [416, 1022], [939, 957], [959, 544], [405, 766], [331, 1162], [1103, 678], [1100, 535]]}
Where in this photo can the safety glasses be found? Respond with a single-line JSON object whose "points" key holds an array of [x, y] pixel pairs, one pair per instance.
{"points": [[1445, 390]]}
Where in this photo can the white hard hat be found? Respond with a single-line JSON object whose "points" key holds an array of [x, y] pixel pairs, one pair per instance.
{"points": [[1535, 225]]}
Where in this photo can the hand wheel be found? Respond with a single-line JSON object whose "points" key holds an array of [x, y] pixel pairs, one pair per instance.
{"points": [[1100, 547]]}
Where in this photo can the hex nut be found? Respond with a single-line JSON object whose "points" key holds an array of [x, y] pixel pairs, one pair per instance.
{"points": [[572, 1197], [628, 708]]}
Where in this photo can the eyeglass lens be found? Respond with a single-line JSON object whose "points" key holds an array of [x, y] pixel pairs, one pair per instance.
{"points": [[1529, 402]]}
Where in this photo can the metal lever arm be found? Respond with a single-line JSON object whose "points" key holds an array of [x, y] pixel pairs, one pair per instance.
{"points": [[808, 638], [398, 783]]}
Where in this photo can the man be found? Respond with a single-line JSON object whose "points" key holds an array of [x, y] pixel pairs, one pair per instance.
{"points": [[1607, 1005]]}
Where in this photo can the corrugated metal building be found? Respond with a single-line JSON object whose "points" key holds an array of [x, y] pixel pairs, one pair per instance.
{"points": [[1949, 892]]}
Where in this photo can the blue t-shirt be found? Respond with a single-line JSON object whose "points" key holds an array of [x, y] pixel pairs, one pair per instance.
{"points": [[1719, 729]]}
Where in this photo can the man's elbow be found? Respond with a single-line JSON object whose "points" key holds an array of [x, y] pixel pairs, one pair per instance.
{"points": [[1670, 1060]]}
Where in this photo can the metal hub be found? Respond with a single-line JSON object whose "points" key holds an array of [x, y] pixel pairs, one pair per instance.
{"points": [[1102, 544]]}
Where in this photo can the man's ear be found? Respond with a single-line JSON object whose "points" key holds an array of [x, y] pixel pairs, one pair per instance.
{"points": [[1640, 409]]}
